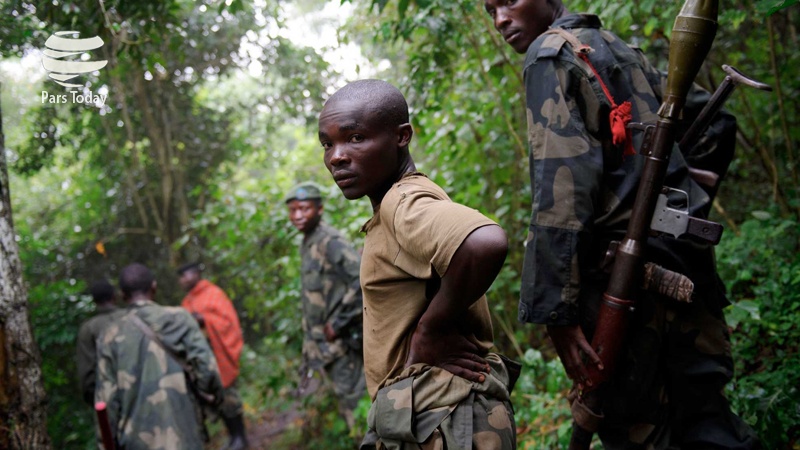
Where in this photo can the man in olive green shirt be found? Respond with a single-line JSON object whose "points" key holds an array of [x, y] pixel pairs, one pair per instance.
{"points": [[106, 312]]}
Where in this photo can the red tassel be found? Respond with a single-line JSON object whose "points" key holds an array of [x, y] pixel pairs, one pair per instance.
{"points": [[619, 117]]}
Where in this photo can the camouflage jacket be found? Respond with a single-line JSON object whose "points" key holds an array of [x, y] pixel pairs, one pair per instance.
{"points": [[582, 186], [150, 405], [87, 348], [331, 293]]}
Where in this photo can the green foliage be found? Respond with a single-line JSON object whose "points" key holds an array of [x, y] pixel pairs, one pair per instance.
{"points": [[540, 405], [761, 266], [773, 6], [57, 310]]}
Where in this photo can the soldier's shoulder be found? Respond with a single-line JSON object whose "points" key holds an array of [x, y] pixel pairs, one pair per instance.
{"points": [[328, 231], [410, 187], [178, 312], [551, 46], [158, 315]]}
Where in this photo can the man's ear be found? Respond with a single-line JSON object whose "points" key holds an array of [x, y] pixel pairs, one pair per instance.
{"points": [[321, 208], [154, 287], [404, 134]]}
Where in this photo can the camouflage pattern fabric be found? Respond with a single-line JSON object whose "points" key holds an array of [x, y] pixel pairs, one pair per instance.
{"points": [[230, 408], [347, 375], [430, 408], [87, 348], [332, 294], [150, 405], [668, 391]]}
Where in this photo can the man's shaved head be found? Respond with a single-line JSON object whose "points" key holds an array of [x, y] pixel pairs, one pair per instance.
{"points": [[380, 97], [135, 278], [102, 292]]}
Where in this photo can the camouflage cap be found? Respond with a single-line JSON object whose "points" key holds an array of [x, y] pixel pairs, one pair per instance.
{"points": [[304, 191]]}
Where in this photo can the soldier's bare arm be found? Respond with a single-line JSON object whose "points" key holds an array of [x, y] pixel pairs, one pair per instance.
{"points": [[440, 337]]}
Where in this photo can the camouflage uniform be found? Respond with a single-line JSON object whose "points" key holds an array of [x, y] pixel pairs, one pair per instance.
{"points": [[87, 347], [668, 389], [332, 294], [427, 407], [150, 405]]}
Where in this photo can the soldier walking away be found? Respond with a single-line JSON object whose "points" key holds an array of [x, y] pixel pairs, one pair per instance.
{"points": [[331, 300], [215, 314], [106, 311], [153, 365], [580, 81], [426, 265]]}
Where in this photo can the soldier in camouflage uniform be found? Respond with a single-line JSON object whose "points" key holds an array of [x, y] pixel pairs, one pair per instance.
{"points": [[105, 312], [331, 300], [668, 389], [150, 400]]}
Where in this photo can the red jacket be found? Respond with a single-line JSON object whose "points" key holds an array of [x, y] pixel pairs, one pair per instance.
{"points": [[221, 326]]}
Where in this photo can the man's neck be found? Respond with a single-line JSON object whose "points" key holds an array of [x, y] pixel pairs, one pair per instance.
{"points": [[195, 285], [138, 297], [307, 234], [405, 167]]}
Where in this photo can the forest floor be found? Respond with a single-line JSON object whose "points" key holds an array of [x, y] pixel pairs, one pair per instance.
{"points": [[297, 423], [265, 431]]}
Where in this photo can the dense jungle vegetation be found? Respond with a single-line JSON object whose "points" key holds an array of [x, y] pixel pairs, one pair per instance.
{"points": [[211, 117]]}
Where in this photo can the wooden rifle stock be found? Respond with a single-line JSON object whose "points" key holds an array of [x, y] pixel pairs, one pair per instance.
{"points": [[105, 426], [692, 36]]}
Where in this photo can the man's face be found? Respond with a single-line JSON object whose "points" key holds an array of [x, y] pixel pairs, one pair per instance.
{"points": [[305, 214], [188, 279], [362, 154], [520, 22]]}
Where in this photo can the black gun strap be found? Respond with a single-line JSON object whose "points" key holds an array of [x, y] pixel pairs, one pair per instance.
{"points": [[187, 369], [145, 328]]}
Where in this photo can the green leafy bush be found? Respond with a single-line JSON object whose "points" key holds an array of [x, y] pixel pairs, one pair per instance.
{"points": [[761, 266], [540, 405]]}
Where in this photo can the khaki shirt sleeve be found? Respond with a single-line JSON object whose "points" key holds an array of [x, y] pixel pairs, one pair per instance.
{"points": [[429, 228]]}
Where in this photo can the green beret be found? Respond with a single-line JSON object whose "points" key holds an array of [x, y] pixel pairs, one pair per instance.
{"points": [[304, 191]]}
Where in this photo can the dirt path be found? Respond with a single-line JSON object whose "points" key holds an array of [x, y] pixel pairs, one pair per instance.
{"points": [[266, 431], [271, 426]]}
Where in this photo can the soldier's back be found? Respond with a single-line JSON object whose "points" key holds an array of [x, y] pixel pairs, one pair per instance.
{"points": [[150, 404]]}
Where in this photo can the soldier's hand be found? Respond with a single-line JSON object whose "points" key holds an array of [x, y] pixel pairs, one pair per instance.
{"points": [[330, 334], [571, 346], [447, 348]]}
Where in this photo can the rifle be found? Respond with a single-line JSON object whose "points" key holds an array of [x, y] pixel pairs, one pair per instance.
{"points": [[692, 36], [105, 426]]}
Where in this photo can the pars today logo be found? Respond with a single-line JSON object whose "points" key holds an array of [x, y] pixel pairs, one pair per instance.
{"points": [[65, 58]]}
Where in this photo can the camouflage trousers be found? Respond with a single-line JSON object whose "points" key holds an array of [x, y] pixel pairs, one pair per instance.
{"points": [[347, 375], [668, 389], [230, 407], [429, 408]]}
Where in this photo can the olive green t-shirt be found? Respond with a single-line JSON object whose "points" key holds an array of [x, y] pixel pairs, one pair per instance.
{"points": [[410, 240]]}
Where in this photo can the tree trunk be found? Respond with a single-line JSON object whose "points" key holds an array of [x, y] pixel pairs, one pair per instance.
{"points": [[22, 398]]}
